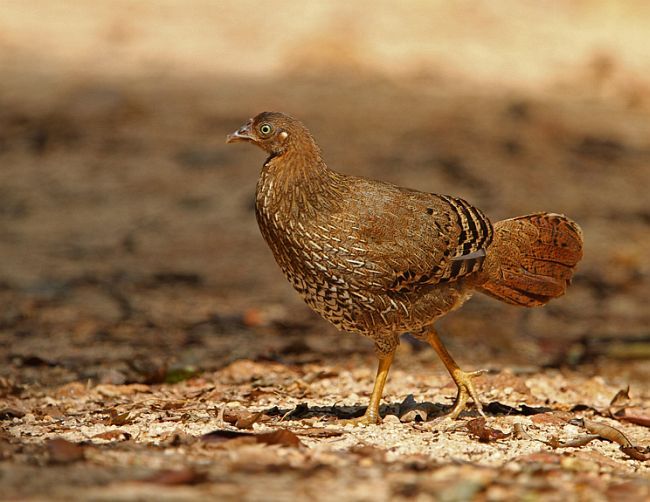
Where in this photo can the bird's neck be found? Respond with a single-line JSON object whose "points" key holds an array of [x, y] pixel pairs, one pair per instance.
{"points": [[297, 183]]}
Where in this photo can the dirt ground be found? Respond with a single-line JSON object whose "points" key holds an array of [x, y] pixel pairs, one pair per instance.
{"points": [[151, 348]]}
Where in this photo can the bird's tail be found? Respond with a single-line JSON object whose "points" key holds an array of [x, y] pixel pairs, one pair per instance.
{"points": [[531, 259]]}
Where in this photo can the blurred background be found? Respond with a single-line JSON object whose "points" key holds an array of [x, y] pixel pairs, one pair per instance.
{"points": [[128, 242]]}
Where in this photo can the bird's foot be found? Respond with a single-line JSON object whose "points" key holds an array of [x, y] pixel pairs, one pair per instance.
{"points": [[465, 384], [365, 419]]}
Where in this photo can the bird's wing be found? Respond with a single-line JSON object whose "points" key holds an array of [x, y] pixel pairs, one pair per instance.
{"points": [[405, 239]]}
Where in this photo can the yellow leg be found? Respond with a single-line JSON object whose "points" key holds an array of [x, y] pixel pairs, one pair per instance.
{"points": [[371, 416], [462, 379]]}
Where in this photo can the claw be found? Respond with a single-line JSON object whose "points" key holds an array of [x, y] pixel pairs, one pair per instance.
{"points": [[465, 391], [366, 419]]}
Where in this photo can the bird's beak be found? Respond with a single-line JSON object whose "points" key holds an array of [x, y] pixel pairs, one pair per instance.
{"points": [[244, 133]]}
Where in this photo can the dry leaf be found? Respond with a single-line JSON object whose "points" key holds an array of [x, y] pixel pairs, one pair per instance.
{"points": [[9, 413], [638, 416], [73, 389], [246, 422], [318, 432], [636, 452], [604, 431], [484, 434], [554, 442], [240, 418], [62, 451], [621, 398], [187, 476], [282, 437], [51, 411], [120, 418], [221, 435], [176, 438], [110, 390]]}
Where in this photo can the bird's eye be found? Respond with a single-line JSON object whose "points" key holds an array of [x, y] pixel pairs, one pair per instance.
{"points": [[266, 129]]}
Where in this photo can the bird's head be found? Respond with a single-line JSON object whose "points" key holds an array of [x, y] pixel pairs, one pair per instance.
{"points": [[273, 132]]}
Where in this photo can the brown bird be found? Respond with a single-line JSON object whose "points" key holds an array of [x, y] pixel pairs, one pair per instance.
{"points": [[380, 260]]}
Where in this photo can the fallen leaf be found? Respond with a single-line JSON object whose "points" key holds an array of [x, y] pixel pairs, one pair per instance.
{"points": [[484, 434], [604, 431], [554, 442], [636, 416], [51, 411], [282, 437], [317, 432], [621, 398], [120, 418], [241, 418], [72, 389], [221, 435], [176, 438], [636, 452], [245, 371], [110, 390], [62, 451], [9, 413], [187, 476], [246, 422], [258, 392]]}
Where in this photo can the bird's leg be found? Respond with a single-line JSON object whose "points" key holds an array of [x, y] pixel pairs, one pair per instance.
{"points": [[462, 379], [371, 416]]}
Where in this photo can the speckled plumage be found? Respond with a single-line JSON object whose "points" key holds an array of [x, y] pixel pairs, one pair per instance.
{"points": [[370, 257], [380, 260]]}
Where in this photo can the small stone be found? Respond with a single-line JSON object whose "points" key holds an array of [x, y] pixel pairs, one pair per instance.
{"points": [[391, 419]]}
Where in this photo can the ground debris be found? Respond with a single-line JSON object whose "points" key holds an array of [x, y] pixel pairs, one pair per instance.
{"points": [[9, 413], [282, 437], [638, 416], [186, 476], [62, 451], [478, 428], [610, 433], [603, 431]]}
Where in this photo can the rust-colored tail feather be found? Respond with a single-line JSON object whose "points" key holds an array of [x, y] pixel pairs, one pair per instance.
{"points": [[531, 259]]}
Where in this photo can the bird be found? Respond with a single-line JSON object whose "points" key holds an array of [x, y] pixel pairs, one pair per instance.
{"points": [[380, 260]]}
